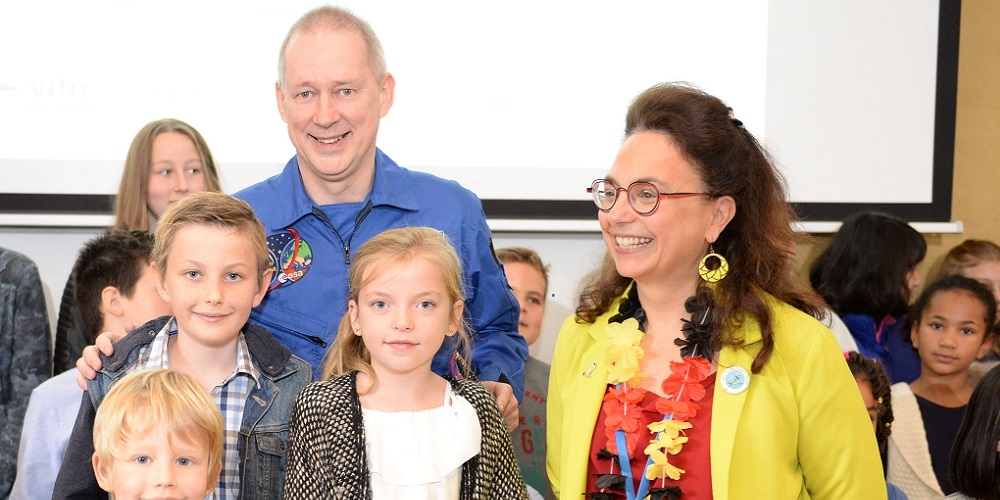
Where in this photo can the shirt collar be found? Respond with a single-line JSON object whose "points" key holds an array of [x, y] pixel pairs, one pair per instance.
{"points": [[244, 364], [389, 188], [156, 354]]}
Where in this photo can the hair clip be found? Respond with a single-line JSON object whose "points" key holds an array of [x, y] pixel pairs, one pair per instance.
{"points": [[880, 400], [733, 118]]}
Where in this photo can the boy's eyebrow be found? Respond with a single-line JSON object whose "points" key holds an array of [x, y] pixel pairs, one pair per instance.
{"points": [[184, 260]]}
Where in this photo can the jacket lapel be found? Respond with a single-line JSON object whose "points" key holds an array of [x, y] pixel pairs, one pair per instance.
{"points": [[727, 408], [588, 382]]}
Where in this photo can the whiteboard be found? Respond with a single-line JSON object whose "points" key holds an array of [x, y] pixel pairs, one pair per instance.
{"points": [[522, 102]]}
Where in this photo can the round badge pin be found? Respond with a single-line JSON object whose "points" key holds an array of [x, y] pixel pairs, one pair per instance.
{"points": [[735, 379]]}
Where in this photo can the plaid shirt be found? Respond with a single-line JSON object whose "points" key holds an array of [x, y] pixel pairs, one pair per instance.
{"points": [[231, 395]]}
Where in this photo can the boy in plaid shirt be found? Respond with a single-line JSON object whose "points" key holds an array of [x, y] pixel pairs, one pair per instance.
{"points": [[212, 265]]}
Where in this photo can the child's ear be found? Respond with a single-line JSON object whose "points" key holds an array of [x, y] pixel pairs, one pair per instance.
{"points": [[914, 335], [103, 476], [265, 281], [985, 348], [111, 302], [352, 309], [456, 315], [161, 284]]}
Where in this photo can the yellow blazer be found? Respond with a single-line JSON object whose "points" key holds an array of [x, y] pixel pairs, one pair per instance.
{"points": [[799, 429]]}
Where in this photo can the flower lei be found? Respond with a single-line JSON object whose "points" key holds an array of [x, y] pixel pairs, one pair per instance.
{"points": [[622, 403]]}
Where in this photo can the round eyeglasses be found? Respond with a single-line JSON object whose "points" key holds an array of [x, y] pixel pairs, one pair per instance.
{"points": [[642, 196]]}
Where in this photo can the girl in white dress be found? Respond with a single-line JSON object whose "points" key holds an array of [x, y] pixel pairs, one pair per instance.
{"points": [[383, 425]]}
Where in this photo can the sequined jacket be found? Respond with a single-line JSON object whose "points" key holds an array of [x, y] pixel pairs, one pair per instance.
{"points": [[327, 460]]}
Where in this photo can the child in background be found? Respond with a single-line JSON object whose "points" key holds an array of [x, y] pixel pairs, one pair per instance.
{"points": [[876, 392], [158, 434], [866, 276], [381, 424], [212, 265], [974, 467], [115, 290], [979, 260], [529, 280], [167, 160], [951, 325]]}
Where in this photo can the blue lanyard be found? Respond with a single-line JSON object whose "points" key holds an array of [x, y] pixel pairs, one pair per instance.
{"points": [[631, 494], [644, 483]]}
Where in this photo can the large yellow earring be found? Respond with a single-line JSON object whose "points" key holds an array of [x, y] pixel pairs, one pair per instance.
{"points": [[713, 267]]}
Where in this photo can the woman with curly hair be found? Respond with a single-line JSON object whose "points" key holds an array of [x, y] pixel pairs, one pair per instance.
{"points": [[694, 366]]}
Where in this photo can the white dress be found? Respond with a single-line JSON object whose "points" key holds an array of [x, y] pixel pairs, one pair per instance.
{"points": [[419, 455]]}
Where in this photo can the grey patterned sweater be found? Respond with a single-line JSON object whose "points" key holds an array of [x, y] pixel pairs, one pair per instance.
{"points": [[25, 352], [326, 456]]}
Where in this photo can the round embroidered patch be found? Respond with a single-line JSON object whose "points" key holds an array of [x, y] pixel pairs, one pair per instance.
{"points": [[291, 257]]}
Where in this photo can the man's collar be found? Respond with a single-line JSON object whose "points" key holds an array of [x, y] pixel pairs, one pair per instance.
{"points": [[390, 187], [291, 201]]}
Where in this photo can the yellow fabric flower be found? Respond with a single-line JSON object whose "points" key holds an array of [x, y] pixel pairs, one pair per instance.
{"points": [[623, 352], [626, 333], [672, 444], [661, 467], [671, 428]]}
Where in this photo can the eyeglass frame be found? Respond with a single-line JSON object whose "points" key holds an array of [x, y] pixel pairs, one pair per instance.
{"points": [[618, 189]]}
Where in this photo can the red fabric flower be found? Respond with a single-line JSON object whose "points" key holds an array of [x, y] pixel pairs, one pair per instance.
{"points": [[684, 381], [678, 410], [622, 408]]}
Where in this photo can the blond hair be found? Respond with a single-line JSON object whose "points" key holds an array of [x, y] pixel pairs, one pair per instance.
{"points": [[330, 18], [967, 254], [212, 209], [525, 256], [384, 251], [144, 400], [131, 211]]}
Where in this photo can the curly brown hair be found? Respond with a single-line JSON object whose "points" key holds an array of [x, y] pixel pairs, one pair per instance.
{"points": [[759, 241], [871, 370]]}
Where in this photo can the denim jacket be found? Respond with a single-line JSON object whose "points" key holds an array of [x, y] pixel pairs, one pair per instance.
{"points": [[263, 439]]}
